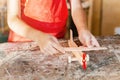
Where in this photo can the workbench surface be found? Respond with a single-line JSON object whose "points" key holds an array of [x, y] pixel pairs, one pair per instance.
{"points": [[28, 63]]}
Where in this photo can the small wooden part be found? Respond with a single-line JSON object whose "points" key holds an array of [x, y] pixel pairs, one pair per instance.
{"points": [[70, 59]]}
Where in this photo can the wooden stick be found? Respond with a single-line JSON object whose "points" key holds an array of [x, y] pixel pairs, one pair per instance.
{"points": [[84, 48], [71, 59]]}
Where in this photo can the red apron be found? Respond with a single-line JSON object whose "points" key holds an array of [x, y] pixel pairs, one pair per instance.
{"points": [[48, 16]]}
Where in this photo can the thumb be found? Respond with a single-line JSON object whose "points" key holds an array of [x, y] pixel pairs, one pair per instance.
{"points": [[88, 43], [95, 42]]}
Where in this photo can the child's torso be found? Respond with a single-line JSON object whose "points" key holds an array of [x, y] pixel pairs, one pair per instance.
{"points": [[48, 16]]}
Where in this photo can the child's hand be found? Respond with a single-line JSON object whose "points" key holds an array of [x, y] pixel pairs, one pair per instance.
{"points": [[49, 44], [87, 39]]}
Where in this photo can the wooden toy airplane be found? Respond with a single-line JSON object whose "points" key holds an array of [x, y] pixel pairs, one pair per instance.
{"points": [[80, 56]]}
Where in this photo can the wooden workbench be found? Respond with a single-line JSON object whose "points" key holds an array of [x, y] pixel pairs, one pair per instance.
{"points": [[31, 64]]}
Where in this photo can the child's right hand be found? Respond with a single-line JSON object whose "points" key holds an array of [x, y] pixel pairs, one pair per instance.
{"points": [[49, 44]]}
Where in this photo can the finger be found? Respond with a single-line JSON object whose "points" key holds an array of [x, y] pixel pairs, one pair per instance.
{"points": [[89, 42], [55, 44], [42, 51], [58, 47], [49, 49], [52, 50], [46, 51], [95, 42], [53, 39], [82, 42]]}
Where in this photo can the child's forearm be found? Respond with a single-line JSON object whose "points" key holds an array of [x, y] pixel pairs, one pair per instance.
{"points": [[18, 25], [23, 29], [79, 19], [78, 15]]}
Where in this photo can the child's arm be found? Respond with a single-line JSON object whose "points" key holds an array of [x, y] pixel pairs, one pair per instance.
{"points": [[80, 21], [46, 42]]}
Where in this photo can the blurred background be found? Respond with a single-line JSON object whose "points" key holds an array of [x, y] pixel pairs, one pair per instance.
{"points": [[4, 30], [103, 17]]}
